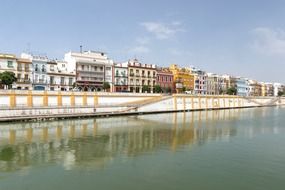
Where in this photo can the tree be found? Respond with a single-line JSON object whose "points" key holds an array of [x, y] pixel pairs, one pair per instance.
{"points": [[7, 78], [232, 91], [157, 89], [106, 86], [221, 91], [168, 90], [280, 93], [145, 88]]}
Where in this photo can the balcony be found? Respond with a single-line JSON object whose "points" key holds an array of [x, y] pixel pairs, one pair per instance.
{"points": [[40, 81], [23, 81]]}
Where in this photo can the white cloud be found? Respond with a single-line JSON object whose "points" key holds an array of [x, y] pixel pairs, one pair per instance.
{"points": [[268, 41], [161, 30], [139, 49]]}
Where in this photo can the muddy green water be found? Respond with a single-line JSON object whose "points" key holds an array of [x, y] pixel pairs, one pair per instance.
{"points": [[215, 150]]}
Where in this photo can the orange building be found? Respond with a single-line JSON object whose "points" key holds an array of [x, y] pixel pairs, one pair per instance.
{"points": [[183, 79]]}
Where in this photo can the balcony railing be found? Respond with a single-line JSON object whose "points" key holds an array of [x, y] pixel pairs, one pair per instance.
{"points": [[40, 81], [23, 80]]}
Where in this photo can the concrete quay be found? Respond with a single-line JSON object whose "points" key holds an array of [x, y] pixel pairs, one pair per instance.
{"points": [[48, 105]]}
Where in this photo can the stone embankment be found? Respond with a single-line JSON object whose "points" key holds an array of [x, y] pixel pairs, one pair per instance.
{"points": [[35, 105]]}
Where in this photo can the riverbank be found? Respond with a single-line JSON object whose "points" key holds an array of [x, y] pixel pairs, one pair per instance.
{"points": [[50, 105]]}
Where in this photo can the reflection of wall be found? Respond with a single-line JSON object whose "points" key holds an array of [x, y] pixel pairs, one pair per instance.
{"points": [[93, 143]]}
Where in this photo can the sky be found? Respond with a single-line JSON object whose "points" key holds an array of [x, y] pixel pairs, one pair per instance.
{"points": [[237, 37]]}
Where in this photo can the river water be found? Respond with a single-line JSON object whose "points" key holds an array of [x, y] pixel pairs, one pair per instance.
{"points": [[215, 150]]}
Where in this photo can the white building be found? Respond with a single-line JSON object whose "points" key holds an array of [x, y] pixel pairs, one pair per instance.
{"points": [[8, 62], [92, 69], [39, 70], [120, 77], [277, 87], [58, 76], [200, 78]]}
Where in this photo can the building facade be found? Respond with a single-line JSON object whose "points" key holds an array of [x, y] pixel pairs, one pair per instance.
{"points": [[212, 84], [242, 86], [200, 81], [277, 87], [183, 79], [39, 70], [165, 80], [222, 84], [24, 74], [58, 76], [120, 77], [8, 62], [92, 69], [141, 77], [254, 88]]}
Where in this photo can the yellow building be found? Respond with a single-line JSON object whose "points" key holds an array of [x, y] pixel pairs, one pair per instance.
{"points": [[183, 78], [263, 89]]}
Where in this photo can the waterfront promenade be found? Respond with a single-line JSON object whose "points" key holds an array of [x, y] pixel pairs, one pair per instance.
{"points": [[34, 105]]}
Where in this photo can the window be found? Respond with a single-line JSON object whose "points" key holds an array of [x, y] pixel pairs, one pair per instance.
{"points": [[52, 67], [26, 76], [108, 68], [19, 67], [10, 64], [36, 67], [43, 68], [62, 80], [70, 80], [27, 67], [51, 80]]}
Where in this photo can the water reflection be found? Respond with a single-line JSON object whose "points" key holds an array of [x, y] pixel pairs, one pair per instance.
{"points": [[93, 143]]}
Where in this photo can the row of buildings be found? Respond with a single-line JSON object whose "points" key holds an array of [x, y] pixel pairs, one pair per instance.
{"points": [[91, 70]]}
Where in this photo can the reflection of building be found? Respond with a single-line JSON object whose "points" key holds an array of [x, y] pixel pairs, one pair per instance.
{"points": [[120, 77], [141, 77], [93, 143], [92, 69]]}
